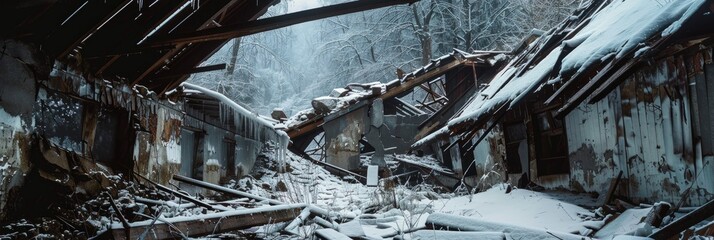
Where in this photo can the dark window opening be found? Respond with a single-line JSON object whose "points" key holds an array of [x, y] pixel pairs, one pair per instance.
{"points": [[60, 121], [230, 147], [551, 145], [516, 147], [105, 137], [446, 156], [466, 159]]}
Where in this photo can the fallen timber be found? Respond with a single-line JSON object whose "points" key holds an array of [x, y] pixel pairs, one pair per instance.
{"points": [[201, 225], [225, 190], [176, 193]]}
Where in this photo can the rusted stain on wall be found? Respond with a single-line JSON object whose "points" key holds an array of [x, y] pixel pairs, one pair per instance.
{"points": [[651, 131], [584, 158]]}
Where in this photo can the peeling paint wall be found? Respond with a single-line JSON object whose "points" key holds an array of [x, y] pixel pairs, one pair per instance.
{"points": [[55, 119], [489, 160], [164, 151], [651, 128]]}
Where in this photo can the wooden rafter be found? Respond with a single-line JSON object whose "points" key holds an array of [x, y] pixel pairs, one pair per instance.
{"points": [[81, 24], [252, 27]]}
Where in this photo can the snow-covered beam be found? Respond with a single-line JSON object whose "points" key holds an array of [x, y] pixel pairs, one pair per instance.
{"points": [[272, 23], [201, 225]]}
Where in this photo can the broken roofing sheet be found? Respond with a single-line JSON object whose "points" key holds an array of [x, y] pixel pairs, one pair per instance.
{"points": [[617, 30], [343, 98]]}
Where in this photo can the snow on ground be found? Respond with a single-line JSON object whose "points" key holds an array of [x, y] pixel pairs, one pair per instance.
{"points": [[519, 207], [387, 213], [304, 182]]}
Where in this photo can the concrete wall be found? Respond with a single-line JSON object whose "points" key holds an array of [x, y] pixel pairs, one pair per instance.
{"points": [[342, 137]]}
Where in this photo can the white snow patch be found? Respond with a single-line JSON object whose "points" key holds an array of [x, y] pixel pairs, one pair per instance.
{"points": [[519, 207], [506, 87], [623, 25]]}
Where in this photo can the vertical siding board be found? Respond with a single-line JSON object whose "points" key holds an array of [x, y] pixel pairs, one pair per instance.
{"points": [[672, 167], [705, 178], [610, 123], [694, 75], [703, 101], [621, 153], [685, 113], [608, 142], [643, 141], [632, 134]]}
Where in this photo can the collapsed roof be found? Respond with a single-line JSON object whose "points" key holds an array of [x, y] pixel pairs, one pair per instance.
{"points": [[139, 41], [586, 54]]}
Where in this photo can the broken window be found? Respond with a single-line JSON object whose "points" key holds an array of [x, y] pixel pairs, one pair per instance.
{"points": [[516, 146], [551, 144], [60, 121], [447, 156], [515, 135]]}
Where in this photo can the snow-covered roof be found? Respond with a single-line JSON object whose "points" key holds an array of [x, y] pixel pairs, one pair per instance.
{"points": [[617, 30], [352, 95], [228, 102]]}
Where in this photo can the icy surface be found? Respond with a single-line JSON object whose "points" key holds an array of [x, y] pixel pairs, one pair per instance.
{"points": [[229, 102]]}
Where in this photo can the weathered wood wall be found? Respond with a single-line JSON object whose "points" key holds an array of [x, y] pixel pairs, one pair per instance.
{"points": [[655, 127]]}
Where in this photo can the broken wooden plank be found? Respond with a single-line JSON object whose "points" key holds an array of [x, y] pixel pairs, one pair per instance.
{"points": [[441, 221], [201, 225], [607, 198], [214, 187], [176, 193], [686, 221], [706, 230]]}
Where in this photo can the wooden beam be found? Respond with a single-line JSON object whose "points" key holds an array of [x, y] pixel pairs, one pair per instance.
{"points": [[202, 225], [125, 33], [222, 189], [412, 83], [178, 194], [272, 23], [178, 73], [136, 67], [81, 24]]}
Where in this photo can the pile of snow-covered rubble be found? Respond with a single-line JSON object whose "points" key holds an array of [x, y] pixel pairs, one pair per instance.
{"points": [[295, 198]]}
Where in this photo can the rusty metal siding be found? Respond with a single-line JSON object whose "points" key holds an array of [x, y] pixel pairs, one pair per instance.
{"points": [[701, 80], [593, 145], [650, 127]]}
